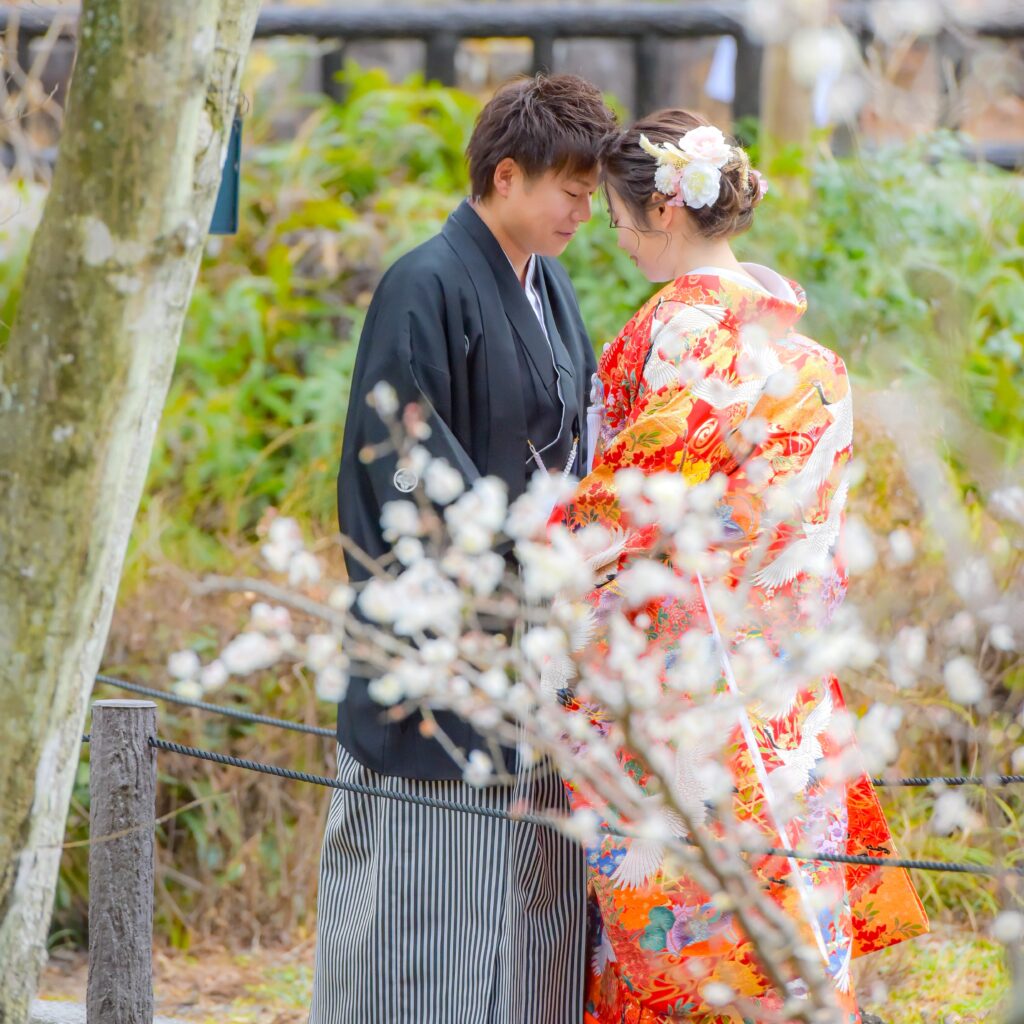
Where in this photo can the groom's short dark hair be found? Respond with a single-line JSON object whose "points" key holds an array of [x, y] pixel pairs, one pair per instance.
{"points": [[548, 122]]}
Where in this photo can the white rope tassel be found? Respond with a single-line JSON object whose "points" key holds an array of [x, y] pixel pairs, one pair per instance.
{"points": [[762, 774]]}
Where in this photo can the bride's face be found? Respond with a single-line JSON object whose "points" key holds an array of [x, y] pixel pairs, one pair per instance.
{"points": [[650, 246]]}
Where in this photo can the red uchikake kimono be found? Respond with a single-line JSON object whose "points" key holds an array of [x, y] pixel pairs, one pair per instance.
{"points": [[705, 355]]}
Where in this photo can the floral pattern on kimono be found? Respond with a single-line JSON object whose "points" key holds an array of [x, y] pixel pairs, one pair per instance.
{"points": [[710, 377]]}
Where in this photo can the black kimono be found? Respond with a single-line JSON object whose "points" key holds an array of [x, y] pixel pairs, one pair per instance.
{"points": [[451, 324]]}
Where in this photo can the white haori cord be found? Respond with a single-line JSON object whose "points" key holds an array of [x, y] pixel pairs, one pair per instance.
{"points": [[762, 774]]}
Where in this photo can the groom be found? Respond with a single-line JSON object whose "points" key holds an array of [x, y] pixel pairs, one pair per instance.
{"points": [[427, 916]]}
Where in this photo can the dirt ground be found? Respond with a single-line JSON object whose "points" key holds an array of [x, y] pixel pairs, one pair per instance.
{"points": [[262, 986], [952, 976]]}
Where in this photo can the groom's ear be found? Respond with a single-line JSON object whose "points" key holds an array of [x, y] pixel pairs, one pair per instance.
{"points": [[506, 175]]}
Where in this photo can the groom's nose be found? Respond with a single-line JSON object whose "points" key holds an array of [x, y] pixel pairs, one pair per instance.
{"points": [[584, 209]]}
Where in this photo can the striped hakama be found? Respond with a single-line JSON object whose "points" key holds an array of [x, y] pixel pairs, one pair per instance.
{"points": [[427, 916]]}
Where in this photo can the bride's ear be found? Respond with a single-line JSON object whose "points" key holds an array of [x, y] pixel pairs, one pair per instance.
{"points": [[662, 216]]}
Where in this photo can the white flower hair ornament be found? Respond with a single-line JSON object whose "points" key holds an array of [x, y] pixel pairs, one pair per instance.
{"points": [[690, 173]]}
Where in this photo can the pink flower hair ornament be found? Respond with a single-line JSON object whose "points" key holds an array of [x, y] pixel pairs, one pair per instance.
{"points": [[690, 173]]}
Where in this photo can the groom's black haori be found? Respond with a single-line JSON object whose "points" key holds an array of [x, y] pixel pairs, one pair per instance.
{"points": [[450, 327]]}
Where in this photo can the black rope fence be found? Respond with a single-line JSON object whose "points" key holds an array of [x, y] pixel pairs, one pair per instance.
{"points": [[500, 814], [544, 822], [216, 709], [317, 730]]}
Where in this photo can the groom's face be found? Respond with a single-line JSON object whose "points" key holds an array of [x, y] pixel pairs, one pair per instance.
{"points": [[543, 213]]}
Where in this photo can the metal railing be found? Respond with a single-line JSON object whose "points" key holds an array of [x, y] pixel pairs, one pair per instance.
{"points": [[645, 25], [442, 30]]}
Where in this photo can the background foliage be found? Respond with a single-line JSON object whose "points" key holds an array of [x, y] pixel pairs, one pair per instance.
{"points": [[912, 260]]}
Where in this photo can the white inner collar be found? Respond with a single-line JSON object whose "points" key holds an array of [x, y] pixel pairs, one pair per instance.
{"points": [[763, 278]]}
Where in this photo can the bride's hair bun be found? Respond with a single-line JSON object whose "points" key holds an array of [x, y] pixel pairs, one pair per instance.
{"points": [[630, 170]]}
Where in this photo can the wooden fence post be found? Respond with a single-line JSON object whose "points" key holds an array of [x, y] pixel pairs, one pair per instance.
{"points": [[440, 64], [122, 795]]}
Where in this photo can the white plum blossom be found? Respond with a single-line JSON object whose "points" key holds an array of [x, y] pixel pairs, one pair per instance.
{"points": [[425, 601], [717, 993], [529, 514], [477, 515], [384, 399], [408, 550], [543, 642], [266, 618], [960, 631], [644, 580], [416, 680], [963, 683], [321, 649], [438, 652], [331, 683], [845, 644], [377, 600], [906, 655], [488, 570], [285, 531], [950, 813], [1008, 502], [250, 652], [284, 541], [442, 482], [190, 689], [754, 430], [901, 547], [877, 736], [813, 51], [213, 676], [693, 676], [1008, 927], [1001, 637], [341, 598], [276, 557], [494, 683], [858, 546], [479, 769], [473, 538], [400, 519], [520, 700], [183, 665], [716, 781], [781, 383], [459, 688], [907, 18], [556, 568], [386, 690], [701, 184], [304, 567], [973, 580], [667, 493], [706, 144]]}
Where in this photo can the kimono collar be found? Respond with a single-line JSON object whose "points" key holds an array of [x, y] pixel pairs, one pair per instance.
{"points": [[473, 224], [537, 340], [757, 294]]}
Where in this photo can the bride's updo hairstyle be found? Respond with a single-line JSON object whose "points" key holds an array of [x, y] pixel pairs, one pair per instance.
{"points": [[630, 169]]}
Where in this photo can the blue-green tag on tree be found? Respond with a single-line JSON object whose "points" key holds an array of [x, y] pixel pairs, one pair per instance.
{"points": [[225, 211]]}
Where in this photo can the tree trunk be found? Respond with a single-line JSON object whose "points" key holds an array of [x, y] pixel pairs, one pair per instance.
{"points": [[82, 384]]}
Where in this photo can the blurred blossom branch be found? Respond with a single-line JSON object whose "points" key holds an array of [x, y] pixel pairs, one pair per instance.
{"points": [[448, 624]]}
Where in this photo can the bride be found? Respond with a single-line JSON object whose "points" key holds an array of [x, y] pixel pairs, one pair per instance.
{"points": [[710, 378]]}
